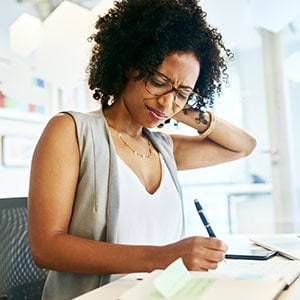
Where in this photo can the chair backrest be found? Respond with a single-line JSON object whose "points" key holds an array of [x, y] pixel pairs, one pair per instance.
{"points": [[20, 278]]}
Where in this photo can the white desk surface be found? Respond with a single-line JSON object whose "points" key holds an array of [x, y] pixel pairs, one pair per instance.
{"points": [[114, 289]]}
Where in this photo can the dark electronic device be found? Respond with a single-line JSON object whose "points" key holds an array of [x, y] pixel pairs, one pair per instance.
{"points": [[257, 254]]}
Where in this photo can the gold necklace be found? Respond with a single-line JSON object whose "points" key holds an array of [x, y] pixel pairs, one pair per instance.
{"points": [[133, 150]]}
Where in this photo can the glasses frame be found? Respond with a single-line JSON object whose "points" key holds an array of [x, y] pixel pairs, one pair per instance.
{"points": [[172, 88]]}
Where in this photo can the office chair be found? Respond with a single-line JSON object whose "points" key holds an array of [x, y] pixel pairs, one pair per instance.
{"points": [[20, 278]]}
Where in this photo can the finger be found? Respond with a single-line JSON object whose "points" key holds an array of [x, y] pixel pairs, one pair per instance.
{"points": [[215, 244], [216, 256], [204, 266]]}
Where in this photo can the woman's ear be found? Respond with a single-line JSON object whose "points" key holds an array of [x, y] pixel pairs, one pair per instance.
{"points": [[131, 72], [128, 73]]}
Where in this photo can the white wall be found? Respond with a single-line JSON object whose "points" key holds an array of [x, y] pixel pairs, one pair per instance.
{"points": [[14, 180]]}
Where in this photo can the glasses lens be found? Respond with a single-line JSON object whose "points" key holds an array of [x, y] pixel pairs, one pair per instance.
{"points": [[193, 98], [183, 97], [157, 85]]}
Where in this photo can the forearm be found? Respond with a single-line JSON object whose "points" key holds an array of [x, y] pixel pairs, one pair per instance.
{"points": [[73, 254], [224, 133]]}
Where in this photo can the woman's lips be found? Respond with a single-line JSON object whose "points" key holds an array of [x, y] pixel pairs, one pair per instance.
{"points": [[156, 114]]}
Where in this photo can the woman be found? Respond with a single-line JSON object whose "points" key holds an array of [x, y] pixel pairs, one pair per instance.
{"points": [[104, 196]]}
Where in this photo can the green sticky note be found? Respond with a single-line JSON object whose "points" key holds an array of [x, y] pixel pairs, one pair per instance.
{"points": [[172, 279], [194, 288], [178, 283]]}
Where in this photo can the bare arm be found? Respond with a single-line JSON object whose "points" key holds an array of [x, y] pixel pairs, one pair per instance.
{"points": [[53, 182], [225, 143]]}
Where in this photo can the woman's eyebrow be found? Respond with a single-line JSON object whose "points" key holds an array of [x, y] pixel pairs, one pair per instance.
{"points": [[168, 79]]}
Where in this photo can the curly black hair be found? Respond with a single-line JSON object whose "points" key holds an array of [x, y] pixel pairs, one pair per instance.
{"points": [[140, 33]]}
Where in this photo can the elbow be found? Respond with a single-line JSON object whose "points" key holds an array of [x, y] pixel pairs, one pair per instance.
{"points": [[249, 146], [41, 251], [38, 256], [46, 252]]}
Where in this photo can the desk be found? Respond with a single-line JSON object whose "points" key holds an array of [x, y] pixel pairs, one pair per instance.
{"points": [[114, 289]]}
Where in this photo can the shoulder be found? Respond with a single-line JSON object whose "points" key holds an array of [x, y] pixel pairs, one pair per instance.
{"points": [[60, 127], [60, 120], [84, 116], [79, 121]]}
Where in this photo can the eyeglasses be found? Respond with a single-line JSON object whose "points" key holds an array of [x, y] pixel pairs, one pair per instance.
{"points": [[159, 85]]}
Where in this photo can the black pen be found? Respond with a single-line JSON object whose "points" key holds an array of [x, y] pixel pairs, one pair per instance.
{"points": [[204, 218]]}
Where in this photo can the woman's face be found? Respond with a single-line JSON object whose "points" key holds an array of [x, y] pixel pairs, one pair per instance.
{"points": [[148, 110]]}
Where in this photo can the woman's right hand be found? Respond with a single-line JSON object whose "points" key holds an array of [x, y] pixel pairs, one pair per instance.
{"points": [[198, 253]]}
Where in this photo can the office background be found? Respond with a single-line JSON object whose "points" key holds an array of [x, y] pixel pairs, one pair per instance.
{"points": [[43, 54]]}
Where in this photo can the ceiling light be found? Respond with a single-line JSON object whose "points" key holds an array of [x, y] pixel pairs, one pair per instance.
{"points": [[25, 34]]}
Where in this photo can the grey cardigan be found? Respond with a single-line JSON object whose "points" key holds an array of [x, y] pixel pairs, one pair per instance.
{"points": [[96, 205]]}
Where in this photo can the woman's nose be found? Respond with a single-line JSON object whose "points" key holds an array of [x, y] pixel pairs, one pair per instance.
{"points": [[168, 99]]}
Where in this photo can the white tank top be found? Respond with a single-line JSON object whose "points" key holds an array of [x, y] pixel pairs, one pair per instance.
{"points": [[144, 218]]}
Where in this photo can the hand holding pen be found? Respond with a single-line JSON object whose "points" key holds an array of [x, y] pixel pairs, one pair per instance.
{"points": [[200, 253]]}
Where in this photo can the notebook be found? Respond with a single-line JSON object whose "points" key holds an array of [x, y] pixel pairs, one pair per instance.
{"points": [[287, 245], [176, 282], [277, 267]]}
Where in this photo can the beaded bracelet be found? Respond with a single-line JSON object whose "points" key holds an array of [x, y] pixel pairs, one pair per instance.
{"points": [[211, 126]]}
